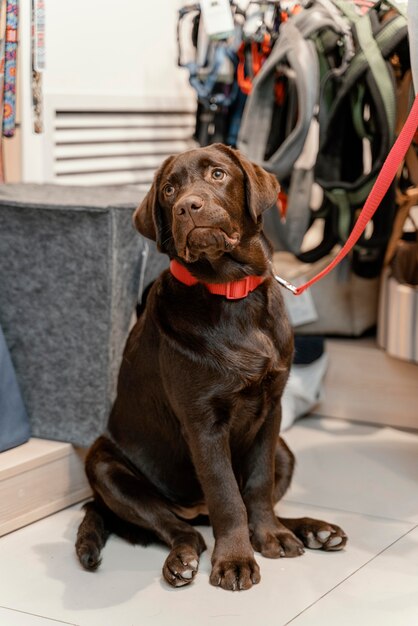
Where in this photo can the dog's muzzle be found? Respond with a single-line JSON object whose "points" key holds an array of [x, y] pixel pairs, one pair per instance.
{"points": [[200, 230], [208, 241]]}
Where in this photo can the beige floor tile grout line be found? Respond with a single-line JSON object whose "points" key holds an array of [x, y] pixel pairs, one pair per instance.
{"points": [[51, 619], [351, 575]]}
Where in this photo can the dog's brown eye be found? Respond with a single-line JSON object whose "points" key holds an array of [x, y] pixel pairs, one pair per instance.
{"points": [[168, 190], [218, 174]]}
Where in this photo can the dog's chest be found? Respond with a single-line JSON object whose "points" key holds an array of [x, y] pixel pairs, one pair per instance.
{"points": [[237, 344], [258, 391], [229, 357], [248, 357], [245, 377]]}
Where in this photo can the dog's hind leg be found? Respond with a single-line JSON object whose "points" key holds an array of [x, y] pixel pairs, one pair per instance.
{"points": [[313, 533], [133, 499], [92, 536], [316, 534], [284, 464], [98, 523]]}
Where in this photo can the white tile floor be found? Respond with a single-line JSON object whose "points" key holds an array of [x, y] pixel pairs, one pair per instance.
{"points": [[363, 478]]}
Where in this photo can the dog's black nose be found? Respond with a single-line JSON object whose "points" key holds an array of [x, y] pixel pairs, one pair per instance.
{"points": [[191, 203]]}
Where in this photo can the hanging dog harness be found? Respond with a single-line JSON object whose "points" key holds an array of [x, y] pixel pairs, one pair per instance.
{"points": [[9, 111], [334, 126], [383, 181]]}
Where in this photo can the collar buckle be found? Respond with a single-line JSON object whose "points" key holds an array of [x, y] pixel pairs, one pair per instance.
{"points": [[238, 288]]}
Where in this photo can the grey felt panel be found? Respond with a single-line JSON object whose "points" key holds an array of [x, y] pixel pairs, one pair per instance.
{"points": [[70, 263], [155, 263]]}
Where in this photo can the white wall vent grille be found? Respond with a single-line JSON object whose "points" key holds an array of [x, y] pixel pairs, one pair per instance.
{"points": [[115, 147]]}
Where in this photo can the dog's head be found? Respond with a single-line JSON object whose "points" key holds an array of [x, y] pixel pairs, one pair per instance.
{"points": [[204, 202]]}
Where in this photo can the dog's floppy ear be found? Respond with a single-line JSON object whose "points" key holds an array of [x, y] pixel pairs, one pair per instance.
{"points": [[143, 218], [261, 187], [148, 218]]}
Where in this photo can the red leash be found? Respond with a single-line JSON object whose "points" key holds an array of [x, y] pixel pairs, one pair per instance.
{"points": [[384, 179]]}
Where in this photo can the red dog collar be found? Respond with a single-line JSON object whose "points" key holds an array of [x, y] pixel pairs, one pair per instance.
{"points": [[233, 290]]}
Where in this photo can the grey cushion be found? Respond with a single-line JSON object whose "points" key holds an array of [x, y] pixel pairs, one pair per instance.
{"points": [[70, 270]]}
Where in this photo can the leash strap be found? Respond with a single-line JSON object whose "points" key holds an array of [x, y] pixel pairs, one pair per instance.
{"points": [[380, 187], [38, 62], [2, 61], [9, 111]]}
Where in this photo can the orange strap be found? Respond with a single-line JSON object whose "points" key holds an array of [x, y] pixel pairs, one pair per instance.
{"points": [[244, 82], [259, 53]]}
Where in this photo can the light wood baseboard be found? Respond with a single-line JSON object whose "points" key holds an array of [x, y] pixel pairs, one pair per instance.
{"points": [[37, 479], [364, 384]]}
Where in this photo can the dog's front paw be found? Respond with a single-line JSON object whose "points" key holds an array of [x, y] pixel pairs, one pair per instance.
{"points": [[235, 573], [181, 566], [275, 542]]}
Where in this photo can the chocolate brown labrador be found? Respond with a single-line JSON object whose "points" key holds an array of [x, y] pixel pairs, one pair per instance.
{"points": [[195, 426]]}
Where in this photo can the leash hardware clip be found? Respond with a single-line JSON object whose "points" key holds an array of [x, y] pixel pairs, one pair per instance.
{"points": [[286, 284]]}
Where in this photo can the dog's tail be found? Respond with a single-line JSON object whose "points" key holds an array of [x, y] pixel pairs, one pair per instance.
{"points": [[98, 523]]}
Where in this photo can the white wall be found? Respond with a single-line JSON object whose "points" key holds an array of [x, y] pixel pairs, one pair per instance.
{"points": [[103, 52], [110, 47]]}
